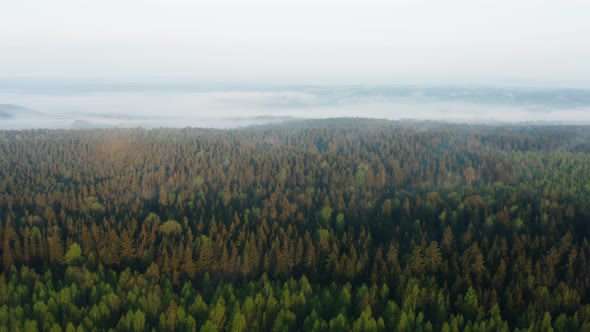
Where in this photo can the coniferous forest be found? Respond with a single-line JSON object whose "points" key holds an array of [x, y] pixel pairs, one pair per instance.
{"points": [[323, 225]]}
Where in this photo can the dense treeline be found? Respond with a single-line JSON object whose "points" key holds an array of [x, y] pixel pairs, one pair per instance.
{"points": [[344, 224]]}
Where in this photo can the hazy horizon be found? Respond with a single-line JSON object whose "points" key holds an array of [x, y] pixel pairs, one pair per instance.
{"points": [[70, 63], [184, 104]]}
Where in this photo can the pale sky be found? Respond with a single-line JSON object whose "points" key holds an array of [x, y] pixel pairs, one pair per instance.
{"points": [[517, 42]]}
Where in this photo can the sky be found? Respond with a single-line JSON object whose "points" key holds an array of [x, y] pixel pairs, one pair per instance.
{"points": [[525, 42]]}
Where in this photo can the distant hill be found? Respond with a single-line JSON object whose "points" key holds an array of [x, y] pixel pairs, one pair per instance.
{"points": [[10, 111]]}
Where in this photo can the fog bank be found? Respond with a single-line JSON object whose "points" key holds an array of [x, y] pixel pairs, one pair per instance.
{"points": [[230, 107]]}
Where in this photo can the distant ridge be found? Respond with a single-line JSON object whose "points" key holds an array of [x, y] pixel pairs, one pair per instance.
{"points": [[10, 111]]}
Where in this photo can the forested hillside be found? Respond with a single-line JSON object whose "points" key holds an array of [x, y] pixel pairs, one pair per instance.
{"points": [[342, 224]]}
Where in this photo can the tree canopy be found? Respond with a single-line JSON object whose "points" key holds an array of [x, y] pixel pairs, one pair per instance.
{"points": [[341, 224]]}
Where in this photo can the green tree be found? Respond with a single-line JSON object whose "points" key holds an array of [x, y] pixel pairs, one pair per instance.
{"points": [[339, 323], [74, 255], [238, 323]]}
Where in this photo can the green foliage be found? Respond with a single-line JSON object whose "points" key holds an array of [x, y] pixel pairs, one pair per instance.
{"points": [[74, 255], [470, 304], [170, 227], [408, 226], [238, 323], [326, 214], [339, 323], [340, 222]]}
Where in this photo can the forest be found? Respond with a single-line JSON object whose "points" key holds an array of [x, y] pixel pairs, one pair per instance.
{"points": [[345, 224]]}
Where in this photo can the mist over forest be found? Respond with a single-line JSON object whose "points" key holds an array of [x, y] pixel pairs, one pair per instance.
{"points": [[26, 104]]}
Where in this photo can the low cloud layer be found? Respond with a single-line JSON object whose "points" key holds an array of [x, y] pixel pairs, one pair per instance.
{"points": [[234, 107]]}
